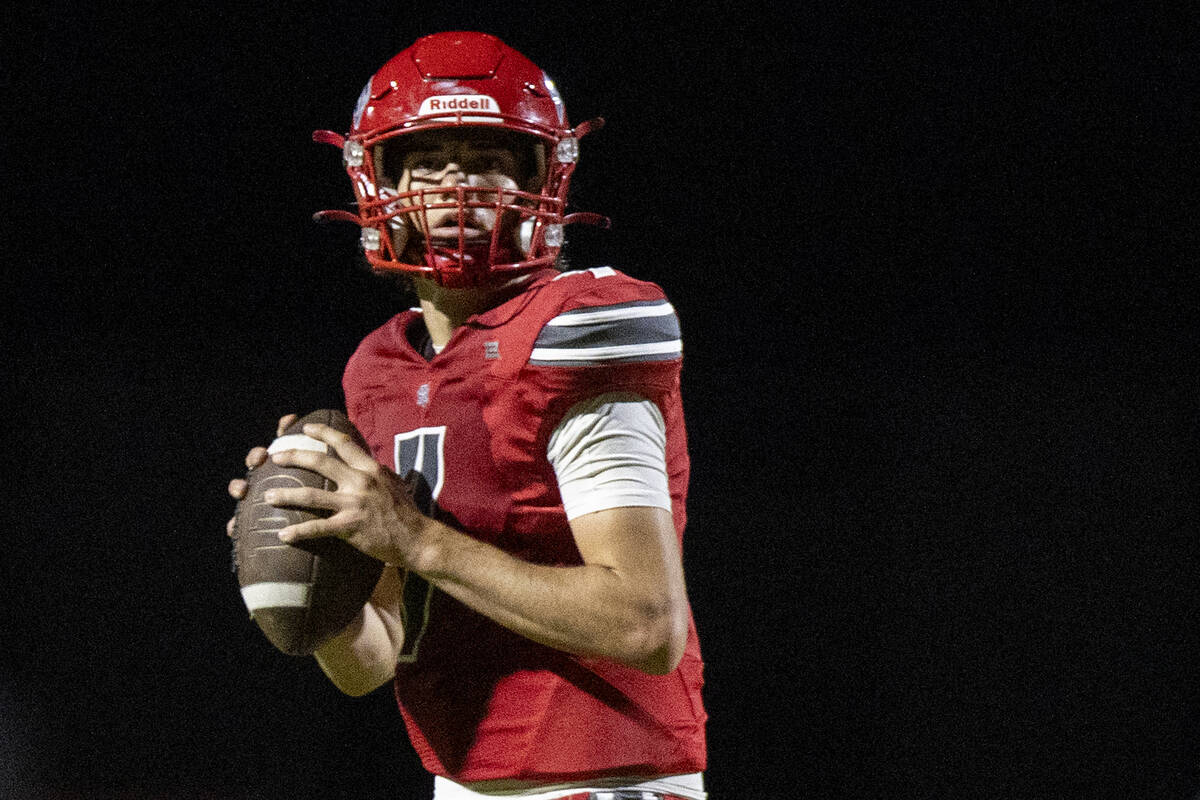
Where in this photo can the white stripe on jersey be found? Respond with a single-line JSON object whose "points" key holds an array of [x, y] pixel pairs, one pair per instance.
{"points": [[605, 353], [612, 314]]}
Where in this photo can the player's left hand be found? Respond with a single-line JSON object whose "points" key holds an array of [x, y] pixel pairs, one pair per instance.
{"points": [[371, 507]]}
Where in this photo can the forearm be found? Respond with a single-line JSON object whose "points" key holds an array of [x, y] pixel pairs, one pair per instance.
{"points": [[626, 602], [362, 656], [592, 609]]}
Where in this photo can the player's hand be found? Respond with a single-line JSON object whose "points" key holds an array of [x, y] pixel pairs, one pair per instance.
{"points": [[255, 458], [372, 509]]}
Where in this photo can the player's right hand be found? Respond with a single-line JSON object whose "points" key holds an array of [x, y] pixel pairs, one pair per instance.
{"points": [[255, 458]]}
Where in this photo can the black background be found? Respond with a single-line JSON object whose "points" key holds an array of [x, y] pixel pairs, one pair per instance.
{"points": [[937, 277]]}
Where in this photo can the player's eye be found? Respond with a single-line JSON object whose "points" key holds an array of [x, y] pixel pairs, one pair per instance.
{"points": [[422, 167], [424, 164]]}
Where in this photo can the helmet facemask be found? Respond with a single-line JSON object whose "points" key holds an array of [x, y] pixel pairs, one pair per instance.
{"points": [[467, 203]]}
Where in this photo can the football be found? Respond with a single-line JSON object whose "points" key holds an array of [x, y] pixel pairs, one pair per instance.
{"points": [[302, 594]]}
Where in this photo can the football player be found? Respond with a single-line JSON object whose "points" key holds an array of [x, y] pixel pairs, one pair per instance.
{"points": [[527, 474]]}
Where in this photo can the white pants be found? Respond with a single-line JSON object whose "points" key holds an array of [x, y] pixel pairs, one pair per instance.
{"points": [[689, 786]]}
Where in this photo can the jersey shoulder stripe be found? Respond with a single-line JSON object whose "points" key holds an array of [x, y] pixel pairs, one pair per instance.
{"points": [[639, 330]]}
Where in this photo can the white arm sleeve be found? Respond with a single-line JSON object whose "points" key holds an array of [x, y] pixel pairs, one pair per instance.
{"points": [[610, 452]]}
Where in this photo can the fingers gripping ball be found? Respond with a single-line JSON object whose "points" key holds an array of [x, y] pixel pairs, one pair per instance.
{"points": [[302, 594]]}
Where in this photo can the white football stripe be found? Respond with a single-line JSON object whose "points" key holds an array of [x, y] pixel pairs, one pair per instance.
{"points": [[612, 314], [277, 594], [605, 353], [297, 441]]}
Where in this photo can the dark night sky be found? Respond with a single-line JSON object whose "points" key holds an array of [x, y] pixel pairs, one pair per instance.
{"points": [[937, 276]]}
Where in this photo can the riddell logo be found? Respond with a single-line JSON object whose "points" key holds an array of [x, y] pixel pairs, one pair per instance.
{"points": [[458, 103]]}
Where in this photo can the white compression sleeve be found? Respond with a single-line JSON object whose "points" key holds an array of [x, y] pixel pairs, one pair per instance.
{"points": [[610, 452]]}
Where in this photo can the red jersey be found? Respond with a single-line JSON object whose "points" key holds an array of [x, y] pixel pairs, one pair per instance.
{"points": [[481, 702]]}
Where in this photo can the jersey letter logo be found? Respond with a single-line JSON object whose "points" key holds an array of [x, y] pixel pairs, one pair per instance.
{"points": [[420, 460]]}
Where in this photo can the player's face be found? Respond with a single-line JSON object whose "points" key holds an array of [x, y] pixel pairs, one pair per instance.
{"points": [[457, 157]]}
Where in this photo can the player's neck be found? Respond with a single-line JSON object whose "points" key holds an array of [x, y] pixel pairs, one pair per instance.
{"points": [[445, 309]]}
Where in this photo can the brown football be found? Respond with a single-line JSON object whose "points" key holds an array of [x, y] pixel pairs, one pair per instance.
{"points": [[300, 595]]}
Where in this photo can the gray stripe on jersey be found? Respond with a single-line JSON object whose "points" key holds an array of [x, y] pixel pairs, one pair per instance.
{"points": [[639, 330], [608, 354]]}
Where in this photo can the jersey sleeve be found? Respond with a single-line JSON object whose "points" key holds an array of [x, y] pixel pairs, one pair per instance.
{"points": [[622, 332], [583, 336], [600, 331]]}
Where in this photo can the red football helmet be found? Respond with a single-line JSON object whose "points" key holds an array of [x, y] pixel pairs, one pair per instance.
{"points": [[449, 80]]}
